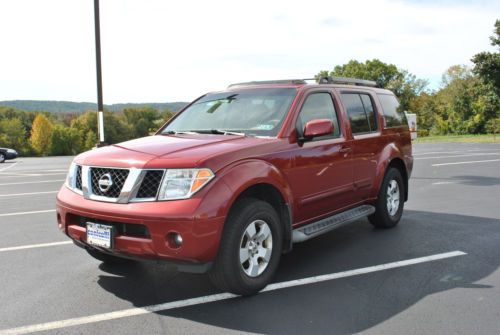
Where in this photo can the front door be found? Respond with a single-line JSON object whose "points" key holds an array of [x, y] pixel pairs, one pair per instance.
{"points": [[321, 174]]}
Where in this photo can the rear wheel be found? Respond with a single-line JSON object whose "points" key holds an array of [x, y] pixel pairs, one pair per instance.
{"points": [[2, 157], [250, 249], [390, 202], [106, 258]]}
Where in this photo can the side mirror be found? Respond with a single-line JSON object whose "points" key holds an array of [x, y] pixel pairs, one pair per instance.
{"points": [[316, 128]]}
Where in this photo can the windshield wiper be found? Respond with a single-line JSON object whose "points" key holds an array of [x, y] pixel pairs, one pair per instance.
{"points": [[175, 132], [203, 131], [219, 132]]}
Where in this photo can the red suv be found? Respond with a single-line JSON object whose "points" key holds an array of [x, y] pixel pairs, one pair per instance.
{"points": [[234, 179]]}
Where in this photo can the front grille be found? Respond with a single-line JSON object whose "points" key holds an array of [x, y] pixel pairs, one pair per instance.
{"points": [[118, 177], [78, 184], [150, 184], [123, 229]]}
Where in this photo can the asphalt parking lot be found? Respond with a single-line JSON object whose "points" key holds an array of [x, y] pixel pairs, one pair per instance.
{"points": [[437, 272]]}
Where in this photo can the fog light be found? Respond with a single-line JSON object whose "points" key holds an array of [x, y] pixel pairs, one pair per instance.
{"points": [[178, 239], [174, 240]]}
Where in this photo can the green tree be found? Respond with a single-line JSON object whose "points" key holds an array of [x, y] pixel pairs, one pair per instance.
{"points": [[41, 134], [13, 134], [141, 121], [115, 129], [487, 64], [405, 85], [90, 140], [65, 141]]}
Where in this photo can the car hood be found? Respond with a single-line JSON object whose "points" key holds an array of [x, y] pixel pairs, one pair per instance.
{"points": [[174, 151]]}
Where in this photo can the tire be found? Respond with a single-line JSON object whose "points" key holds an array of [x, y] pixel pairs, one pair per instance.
{"points": [[390, 202], [2, 157], [250, 248], [106, 258]]}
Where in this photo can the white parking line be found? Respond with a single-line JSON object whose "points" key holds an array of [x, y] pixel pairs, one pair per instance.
{"points": [[27, 213], [23, 194], [218, 297], [32, 246], [444, 182], [465, 155], [34, 182], [468, 162], [435, 152], [23, 174], [8, 167]]}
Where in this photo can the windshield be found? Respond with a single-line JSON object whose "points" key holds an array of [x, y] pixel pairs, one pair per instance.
{"points": [[256, 112]]}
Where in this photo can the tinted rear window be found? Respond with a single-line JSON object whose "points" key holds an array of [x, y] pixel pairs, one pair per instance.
{"points": [[360, 111], [393, 115]]}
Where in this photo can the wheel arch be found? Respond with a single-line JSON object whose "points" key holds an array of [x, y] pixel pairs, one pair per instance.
{"points": [[265, 182], [399, 164]]}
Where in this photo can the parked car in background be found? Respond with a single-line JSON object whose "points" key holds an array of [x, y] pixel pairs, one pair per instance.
{"points": [[6, 153]]}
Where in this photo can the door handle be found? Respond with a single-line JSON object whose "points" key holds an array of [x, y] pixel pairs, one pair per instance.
{"points": [[345, 149]]}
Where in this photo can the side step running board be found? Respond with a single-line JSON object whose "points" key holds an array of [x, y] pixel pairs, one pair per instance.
{"points": [[325, 225]]}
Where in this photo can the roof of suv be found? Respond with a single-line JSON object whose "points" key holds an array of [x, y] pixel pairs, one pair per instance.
{"points": [[338, 82]]}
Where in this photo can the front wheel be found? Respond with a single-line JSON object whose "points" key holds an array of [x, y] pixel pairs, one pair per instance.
{"points": [[390, 202], [2, 157], [250, 248]]}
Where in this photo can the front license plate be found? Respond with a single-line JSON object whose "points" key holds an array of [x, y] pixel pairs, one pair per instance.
{"points": [[99, 235]]}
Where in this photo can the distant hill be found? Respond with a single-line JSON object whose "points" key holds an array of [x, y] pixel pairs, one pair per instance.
{"points": [[78, 107]]}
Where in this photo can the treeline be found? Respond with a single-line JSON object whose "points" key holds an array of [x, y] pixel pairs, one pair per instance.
{"points": [[467, 101], [44, 133]]}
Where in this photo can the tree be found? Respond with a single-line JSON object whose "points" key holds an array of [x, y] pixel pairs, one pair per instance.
{"points": [[65, 141], [464, 104], [141, 120], [115, 129], [405, 85], [487, 64], [41, 135], [13, 134]]}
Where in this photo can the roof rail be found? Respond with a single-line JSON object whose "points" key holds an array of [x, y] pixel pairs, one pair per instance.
{"points": [[348, 81], [322, 80], [270, 82]]}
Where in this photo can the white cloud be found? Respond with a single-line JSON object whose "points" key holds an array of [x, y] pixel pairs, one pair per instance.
{"points": [[177, 50]]}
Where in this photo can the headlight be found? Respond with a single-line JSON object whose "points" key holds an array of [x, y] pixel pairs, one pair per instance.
{"points": [[11, 151], [183, 183], [70, 178]]}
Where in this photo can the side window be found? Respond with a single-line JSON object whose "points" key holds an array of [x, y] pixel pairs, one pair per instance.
{"points": [[360, 111], [318, 106], [370, 111], [393, 115]]}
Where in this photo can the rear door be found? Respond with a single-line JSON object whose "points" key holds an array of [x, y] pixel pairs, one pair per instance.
{"points": [[321, 170], [366, 145]]}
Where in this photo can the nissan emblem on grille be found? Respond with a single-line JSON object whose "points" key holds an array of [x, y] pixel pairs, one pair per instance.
{"points": [[105, 182]]}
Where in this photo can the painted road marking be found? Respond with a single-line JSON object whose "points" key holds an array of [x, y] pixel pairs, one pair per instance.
{"points": [[435, 152], [9, 167], [469, 162], [466, 155], [27, 213], [444, 182], [18, 175], [22, 194], [218, 297], [34, 182], [33, 246]]}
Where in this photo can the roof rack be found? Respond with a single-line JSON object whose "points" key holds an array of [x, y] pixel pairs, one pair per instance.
{"points": [[348, 81], [322, 80], [270, 82]]}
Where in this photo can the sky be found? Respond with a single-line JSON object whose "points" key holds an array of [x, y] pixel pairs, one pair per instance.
{"points": [[165, 51]]}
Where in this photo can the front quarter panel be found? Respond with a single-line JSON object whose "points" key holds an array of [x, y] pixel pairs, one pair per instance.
{"points": [[242, 175]]}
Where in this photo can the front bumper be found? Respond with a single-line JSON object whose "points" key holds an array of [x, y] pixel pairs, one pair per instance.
{"points": [[200, 232]]}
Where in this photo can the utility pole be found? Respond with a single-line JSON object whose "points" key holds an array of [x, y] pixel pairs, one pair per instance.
{"points": [[100, 106]]}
